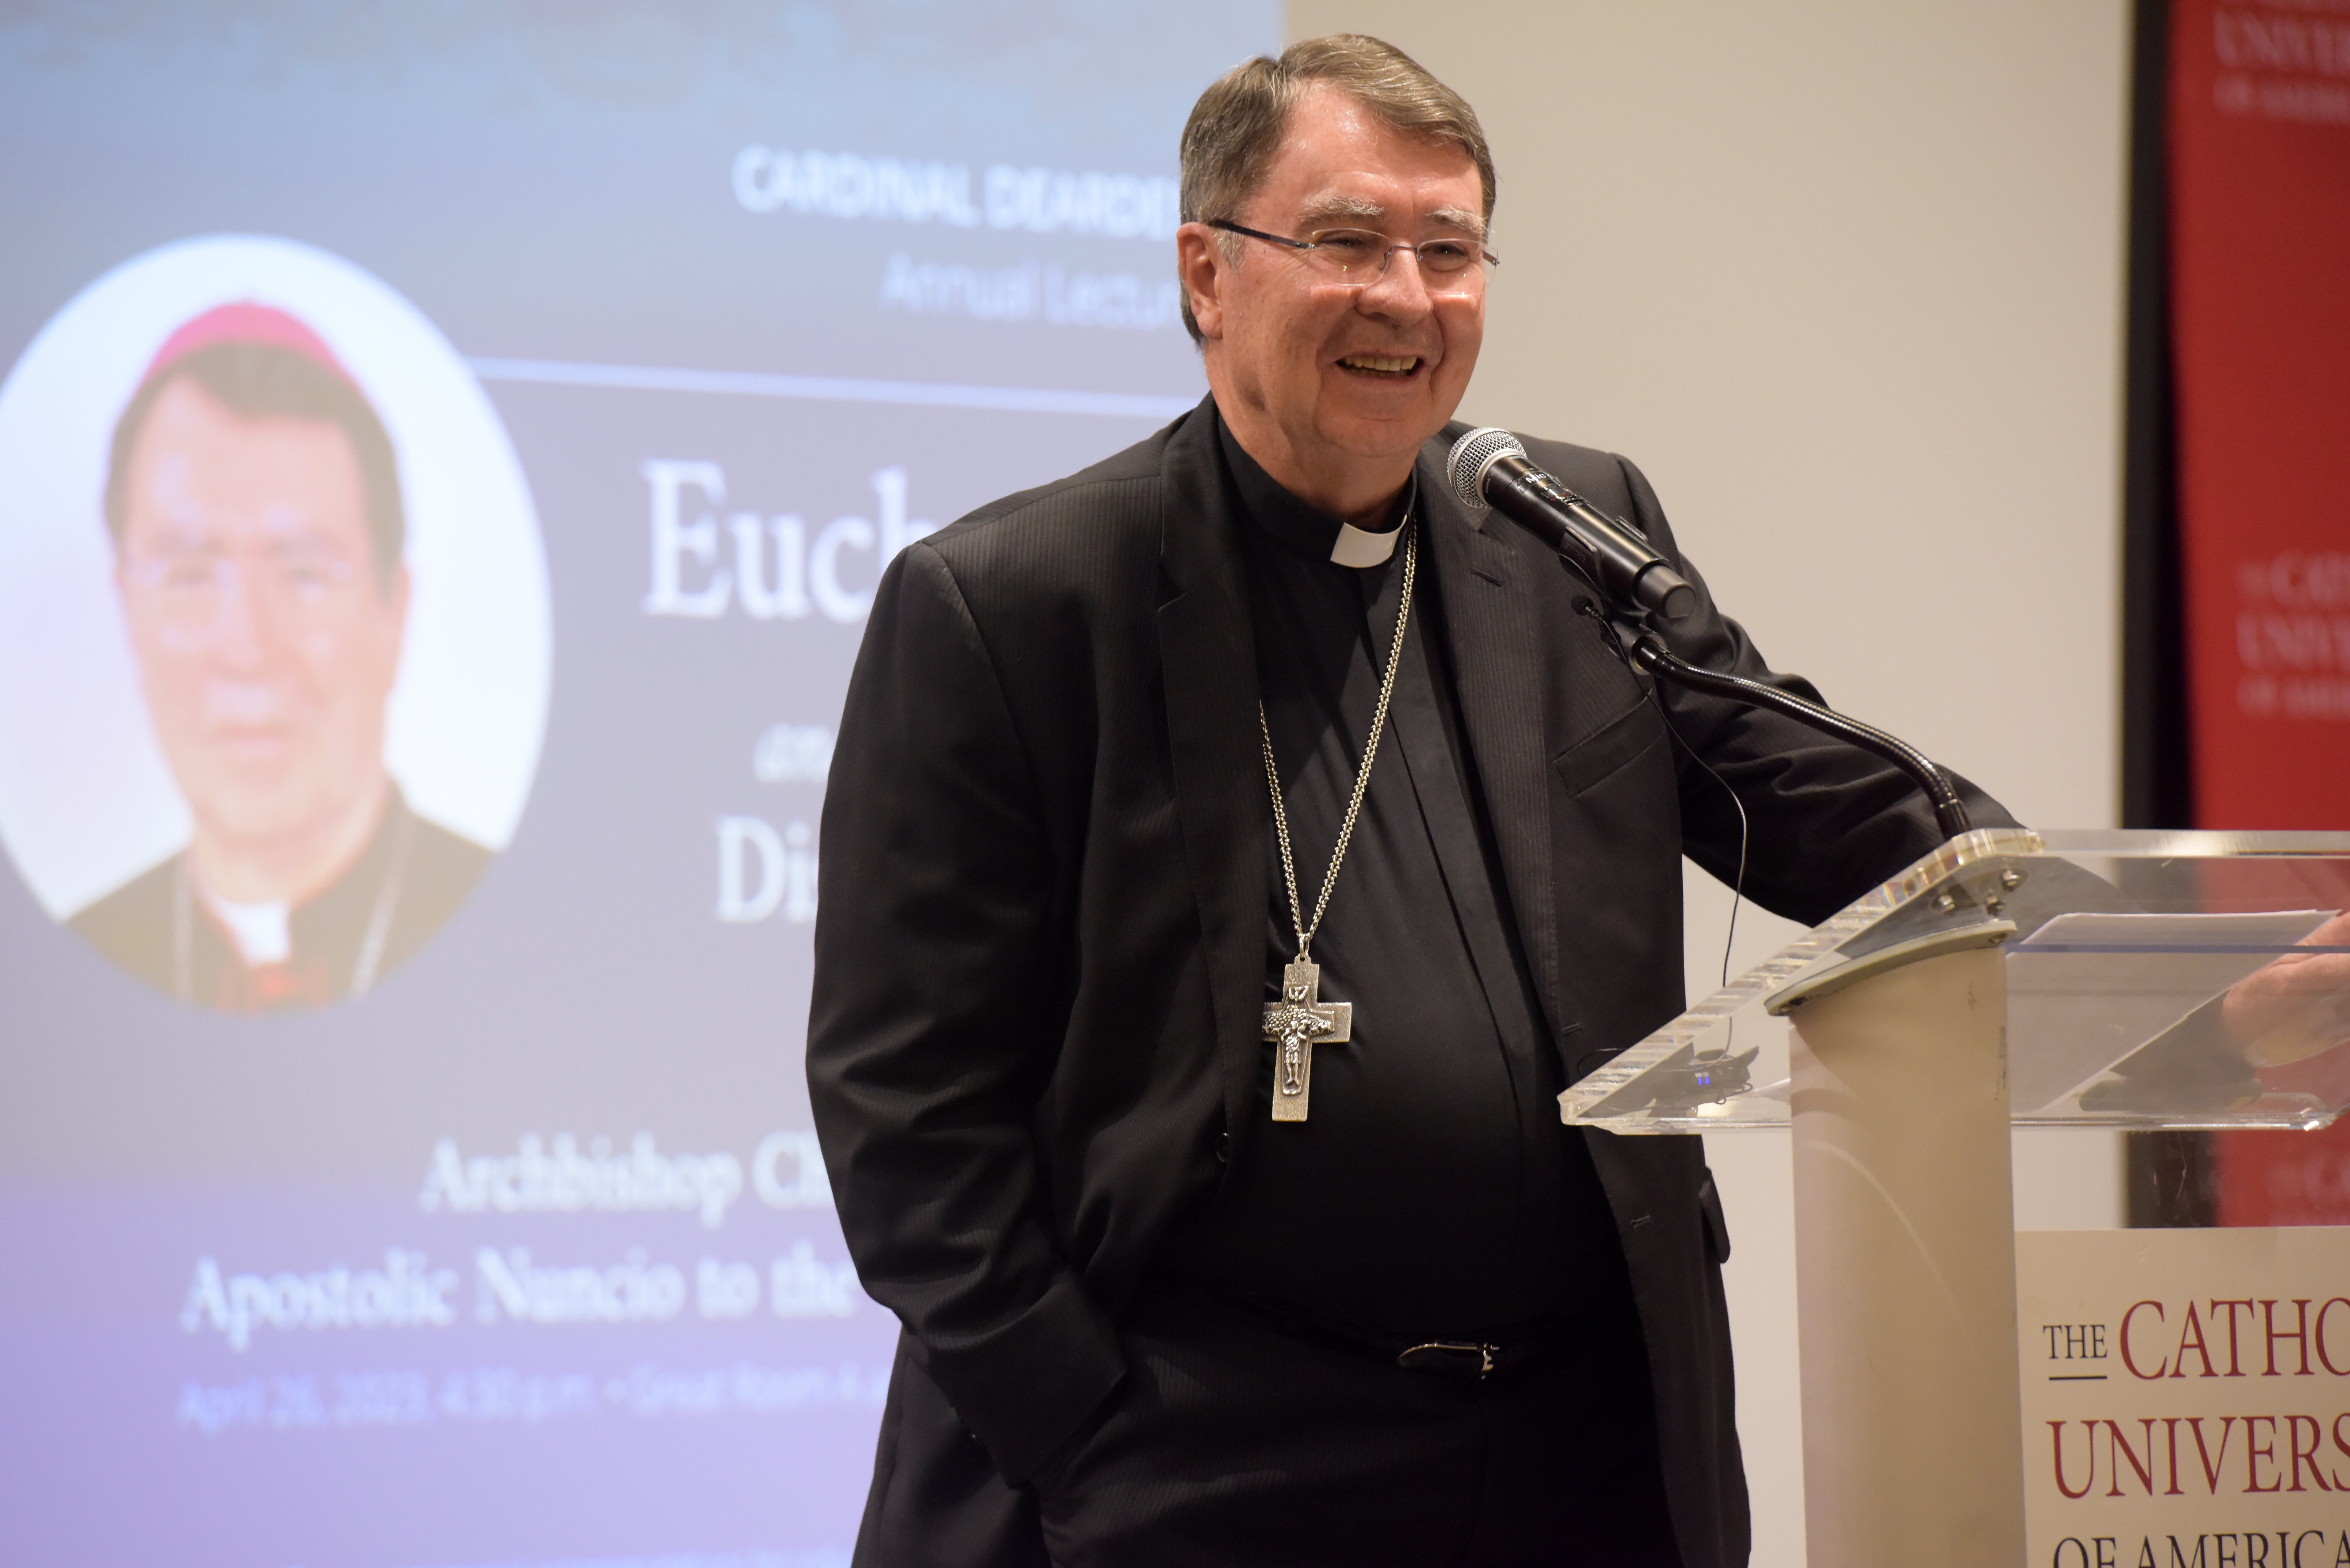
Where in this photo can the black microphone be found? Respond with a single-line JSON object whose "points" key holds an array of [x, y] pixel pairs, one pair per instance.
{"points": [[1488, 467]]}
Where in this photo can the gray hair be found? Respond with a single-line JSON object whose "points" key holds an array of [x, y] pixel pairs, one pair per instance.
{"points": [[1237, 125]]}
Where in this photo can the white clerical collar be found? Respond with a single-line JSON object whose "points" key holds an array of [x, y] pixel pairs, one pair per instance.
{"points": [[1358, 547], [263, 932]]}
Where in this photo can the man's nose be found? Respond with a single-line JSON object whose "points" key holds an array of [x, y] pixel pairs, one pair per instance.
{"points": [[244, 630], [1399, 292]]}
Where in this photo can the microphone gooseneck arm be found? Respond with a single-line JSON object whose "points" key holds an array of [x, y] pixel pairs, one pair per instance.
{"points": [[1651, 654]]}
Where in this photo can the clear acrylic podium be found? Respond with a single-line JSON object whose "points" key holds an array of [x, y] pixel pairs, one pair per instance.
{"points": [[2086, 979]]}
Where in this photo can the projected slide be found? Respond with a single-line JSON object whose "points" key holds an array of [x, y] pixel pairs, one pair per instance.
{"points": [[446, 456]]}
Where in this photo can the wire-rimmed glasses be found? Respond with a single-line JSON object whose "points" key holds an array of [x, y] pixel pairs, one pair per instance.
{"points": [[189, 589], [1360, 257]]}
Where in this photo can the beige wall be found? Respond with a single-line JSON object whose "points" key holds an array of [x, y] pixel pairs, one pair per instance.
{"points": [[1845, 279]]}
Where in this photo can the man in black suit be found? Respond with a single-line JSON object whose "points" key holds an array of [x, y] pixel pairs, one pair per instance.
{"points": [[1189, 1274]]}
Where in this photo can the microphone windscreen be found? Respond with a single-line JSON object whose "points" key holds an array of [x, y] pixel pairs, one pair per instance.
{"points": [[1472, 455]]}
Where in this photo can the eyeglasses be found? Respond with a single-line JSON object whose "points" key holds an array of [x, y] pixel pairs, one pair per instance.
{"points": [[192, 587], [1359, 256]]}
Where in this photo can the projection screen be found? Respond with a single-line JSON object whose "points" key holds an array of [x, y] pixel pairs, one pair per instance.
{"points": [[445, 457]]}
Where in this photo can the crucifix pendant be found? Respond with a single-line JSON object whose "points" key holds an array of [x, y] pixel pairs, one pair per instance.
{"points": [[1294, 1024]]}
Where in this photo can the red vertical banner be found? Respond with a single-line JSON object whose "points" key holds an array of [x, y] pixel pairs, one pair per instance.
{"points": [[2259, 117], [2260, 202]]}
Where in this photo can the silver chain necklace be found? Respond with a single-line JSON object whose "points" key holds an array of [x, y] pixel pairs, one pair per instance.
{"points": [[1301, 1018]]}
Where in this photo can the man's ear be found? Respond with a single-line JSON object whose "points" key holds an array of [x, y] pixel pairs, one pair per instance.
{"points": [[1200, 263]]}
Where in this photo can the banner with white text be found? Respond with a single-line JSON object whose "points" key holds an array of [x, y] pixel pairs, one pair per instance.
{"points": [[2260, 194], [2260, 200]]}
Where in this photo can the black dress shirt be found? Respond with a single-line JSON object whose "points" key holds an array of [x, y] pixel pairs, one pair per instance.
{"points": [[1432, 1192]]}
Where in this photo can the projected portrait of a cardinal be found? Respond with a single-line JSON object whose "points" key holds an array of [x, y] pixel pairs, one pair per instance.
{"points": [[253, 502]]}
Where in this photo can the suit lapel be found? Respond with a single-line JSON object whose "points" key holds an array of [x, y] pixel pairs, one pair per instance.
{"points": [[1207, 667], [1491, 629]]}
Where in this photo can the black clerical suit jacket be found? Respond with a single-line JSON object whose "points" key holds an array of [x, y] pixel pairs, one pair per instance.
{"points": [[1035, 1040]]}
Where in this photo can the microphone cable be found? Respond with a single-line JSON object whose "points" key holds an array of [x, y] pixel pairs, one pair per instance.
{"points": [[1584, 605]]}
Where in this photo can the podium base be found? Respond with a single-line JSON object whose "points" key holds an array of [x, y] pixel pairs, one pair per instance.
{"points": [[1906, 1267]]}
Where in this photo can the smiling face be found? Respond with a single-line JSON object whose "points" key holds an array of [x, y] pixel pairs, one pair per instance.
{"points": [[267, 646], [1331, 385]]}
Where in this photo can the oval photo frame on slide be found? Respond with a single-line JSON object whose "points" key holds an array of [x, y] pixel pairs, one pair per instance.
{"points": [[86, 800]]}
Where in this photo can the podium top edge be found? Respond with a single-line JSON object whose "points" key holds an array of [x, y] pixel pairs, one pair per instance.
{"points": [[2198, 844]]}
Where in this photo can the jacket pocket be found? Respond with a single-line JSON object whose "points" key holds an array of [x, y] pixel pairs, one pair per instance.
{"points": [[1614, 745], [1717, 1223]]}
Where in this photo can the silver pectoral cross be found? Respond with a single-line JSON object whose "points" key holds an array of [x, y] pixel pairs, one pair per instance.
{"points": [[1295, 1023]]}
